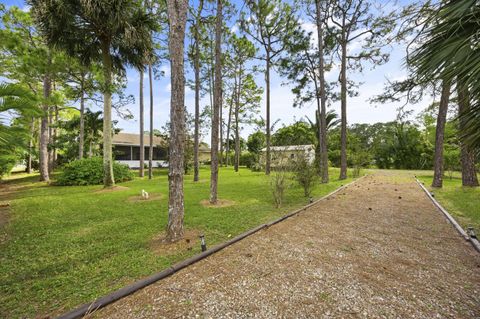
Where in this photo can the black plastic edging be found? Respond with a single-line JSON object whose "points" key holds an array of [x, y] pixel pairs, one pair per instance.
{"points": [[88, 308], [475, 243]]}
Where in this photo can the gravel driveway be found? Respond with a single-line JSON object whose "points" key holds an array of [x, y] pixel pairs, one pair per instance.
{"points": [[378, 249]]}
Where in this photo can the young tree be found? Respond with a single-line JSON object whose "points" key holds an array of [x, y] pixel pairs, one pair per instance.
{"points": [[355, 20], [177, 18], [116, 32], [246, 95], [269, 23]]}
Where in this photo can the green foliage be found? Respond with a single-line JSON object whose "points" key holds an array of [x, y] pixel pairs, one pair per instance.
{"points": [[299, 133], [89, 171], [278, 186], [16, 101], [256, 142], [304, 173], [448, 50]]}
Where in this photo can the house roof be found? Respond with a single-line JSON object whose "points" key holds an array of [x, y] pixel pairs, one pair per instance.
{"points": [[288, 148], [134, 139], [131, 139]]}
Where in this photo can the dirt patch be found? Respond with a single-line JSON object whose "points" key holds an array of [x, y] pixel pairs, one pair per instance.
{"points": [[115, 188], [220, 203], [160, 246], [151, 197]]}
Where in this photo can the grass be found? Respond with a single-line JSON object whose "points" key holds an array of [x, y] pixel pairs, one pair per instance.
{"points": [[69, 245], [463, 203]]}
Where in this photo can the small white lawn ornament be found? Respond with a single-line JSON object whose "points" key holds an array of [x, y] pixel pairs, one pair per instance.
{"points": [[144, 194]]}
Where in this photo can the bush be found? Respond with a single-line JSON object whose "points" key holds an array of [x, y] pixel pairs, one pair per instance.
{"points": [[6, 164], [278, 185], [89, 171], [304, 173]]}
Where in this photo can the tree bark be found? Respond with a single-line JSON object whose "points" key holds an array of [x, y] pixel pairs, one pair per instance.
{"points": [[267, 83], [108, 178], [323, 109], [343, 93], [196, 137], [237, 129], [229, 123], [217, 104], [50, 138], [220, 125], [43, 151], [81, 139], [150, 149], [439, 135], [141, 171], [30, 146], [55, 135], [177, 16], [467, 155]]}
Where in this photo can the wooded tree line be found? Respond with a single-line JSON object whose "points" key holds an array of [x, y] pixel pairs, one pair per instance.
{"points": [[64, 55]]}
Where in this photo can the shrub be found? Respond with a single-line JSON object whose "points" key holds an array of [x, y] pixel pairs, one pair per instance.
{"points": [[304, 173], [89, 171], [6, 164], [278, 185]]}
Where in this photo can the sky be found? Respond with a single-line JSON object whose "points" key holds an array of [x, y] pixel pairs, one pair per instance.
{"points": [[359, 109]]}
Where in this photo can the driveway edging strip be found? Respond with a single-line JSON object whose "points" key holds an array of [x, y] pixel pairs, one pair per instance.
{"points": [[475, 243]]}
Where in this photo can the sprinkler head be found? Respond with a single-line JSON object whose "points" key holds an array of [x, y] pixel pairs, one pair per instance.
{"points": [[471, 232], [202, 242]]}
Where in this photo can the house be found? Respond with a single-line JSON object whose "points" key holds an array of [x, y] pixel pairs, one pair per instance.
{"points": [[283, 155], [126, 150]]}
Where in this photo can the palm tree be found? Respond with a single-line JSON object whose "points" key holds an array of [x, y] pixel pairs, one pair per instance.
{"points": [[449, 52], [115, 32], [15, 102]]}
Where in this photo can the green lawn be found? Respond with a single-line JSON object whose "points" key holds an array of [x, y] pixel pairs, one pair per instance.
{"points": [[462, 202], [69, 245]]}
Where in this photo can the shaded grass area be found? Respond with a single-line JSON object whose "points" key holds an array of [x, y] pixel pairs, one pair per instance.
{"points": [[462, 202], [69, 245]]}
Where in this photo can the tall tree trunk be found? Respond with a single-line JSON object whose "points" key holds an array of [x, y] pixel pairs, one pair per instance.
{"points": [[55, 135], [439, 135], [81, 140], [43, 151], [141, 171], [237, 128], [217, 104], [50, 138], [229, 123], [30, 146], [267, 83], [343, 93], [108, 178], [177, 16], [323, 109], [196, 134], [467, 155], [150, 148], [220, 121], [237, 140]]}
